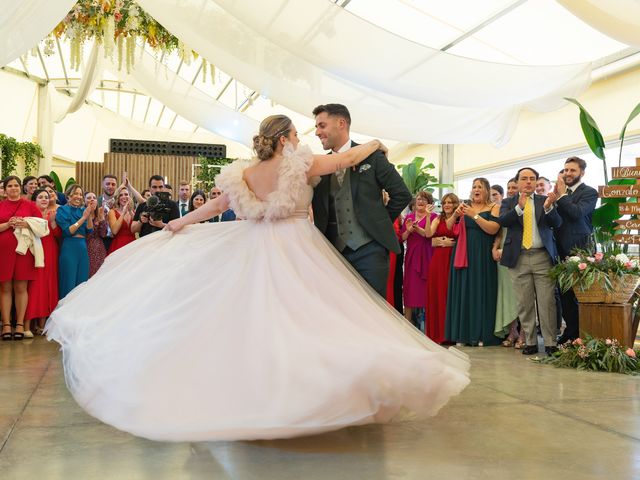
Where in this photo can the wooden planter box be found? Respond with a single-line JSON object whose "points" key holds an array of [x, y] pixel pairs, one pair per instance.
{"points": [[605, 320]]}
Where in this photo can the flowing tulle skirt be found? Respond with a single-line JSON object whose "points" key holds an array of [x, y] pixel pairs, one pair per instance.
{"points": [[243, 330]]}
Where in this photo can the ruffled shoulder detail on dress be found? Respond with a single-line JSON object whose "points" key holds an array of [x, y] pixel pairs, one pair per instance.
{"points": [[281, 203], [291, 183]]}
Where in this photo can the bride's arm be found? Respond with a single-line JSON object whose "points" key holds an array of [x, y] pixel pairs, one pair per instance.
{"points": [[326, 164], [205, 212]]}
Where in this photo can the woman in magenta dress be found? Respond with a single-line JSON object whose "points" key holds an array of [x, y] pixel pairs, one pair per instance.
{"points": [[120, 220], [15, 270], [95, 239], [418, 254], [43, 290], [443, 238]]}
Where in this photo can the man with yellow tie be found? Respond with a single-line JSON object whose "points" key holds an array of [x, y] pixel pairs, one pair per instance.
{"points": [[529, 252]]}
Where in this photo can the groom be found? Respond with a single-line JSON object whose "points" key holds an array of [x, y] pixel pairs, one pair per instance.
{"points": [[348, 207]]}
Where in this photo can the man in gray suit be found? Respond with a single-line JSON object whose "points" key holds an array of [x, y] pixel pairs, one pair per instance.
{"points": [[529, 252], [348, 207]]}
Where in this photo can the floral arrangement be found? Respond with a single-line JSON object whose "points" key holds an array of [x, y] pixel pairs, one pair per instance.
{"points": [[597, 354], [582, 269], [119, 25]]}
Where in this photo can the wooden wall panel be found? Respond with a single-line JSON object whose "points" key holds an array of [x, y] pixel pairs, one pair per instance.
{"points": [[138, 167]]}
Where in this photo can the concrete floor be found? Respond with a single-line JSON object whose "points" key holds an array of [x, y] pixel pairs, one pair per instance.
{"points": [[517, 420]]}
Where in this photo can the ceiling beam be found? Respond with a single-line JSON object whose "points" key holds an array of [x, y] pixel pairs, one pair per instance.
{"points": [[64, 68], [44, 67]]}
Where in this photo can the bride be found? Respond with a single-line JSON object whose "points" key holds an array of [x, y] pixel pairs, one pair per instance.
{"points": [[245, 330]]}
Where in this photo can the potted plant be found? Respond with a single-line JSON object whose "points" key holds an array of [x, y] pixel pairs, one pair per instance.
{"points": [[602, 277]]}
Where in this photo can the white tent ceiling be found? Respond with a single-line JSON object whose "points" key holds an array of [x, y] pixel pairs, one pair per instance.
{"points": [[520, 32]]}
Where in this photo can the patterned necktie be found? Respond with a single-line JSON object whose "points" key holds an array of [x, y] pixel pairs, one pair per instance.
{"points": [[569, 192], [183, 209], [527, 223]]}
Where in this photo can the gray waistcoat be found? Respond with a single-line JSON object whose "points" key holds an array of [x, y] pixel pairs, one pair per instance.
{"points": [[349, 231]]}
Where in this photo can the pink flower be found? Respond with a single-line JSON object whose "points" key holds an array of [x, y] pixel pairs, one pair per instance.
{"points": [[591, 259], [608, 341], [117, 16], [628, 265], [582, 266], [631, 352], [599, 256], [577, 341]]}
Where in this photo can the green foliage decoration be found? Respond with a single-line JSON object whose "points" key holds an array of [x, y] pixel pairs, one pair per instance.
{"points": [[209, 168], [417, 177], [11, 151]]}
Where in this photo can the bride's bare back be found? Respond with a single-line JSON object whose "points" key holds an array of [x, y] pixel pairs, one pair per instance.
{"points": [[262, 178]]}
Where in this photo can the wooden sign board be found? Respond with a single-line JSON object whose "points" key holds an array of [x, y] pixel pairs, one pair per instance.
{"points": [[628, 224], [619, 191], [627, 238], [629, 208], [625, 172]]}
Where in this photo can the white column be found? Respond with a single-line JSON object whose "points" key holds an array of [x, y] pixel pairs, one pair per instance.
{"points": [[445, 167]]}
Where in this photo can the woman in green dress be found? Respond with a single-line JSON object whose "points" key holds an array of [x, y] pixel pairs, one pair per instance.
{"points": [[473, 283]]}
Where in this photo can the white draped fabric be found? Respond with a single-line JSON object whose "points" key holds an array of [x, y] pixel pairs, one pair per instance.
{"points": [[23, 23], [155, 79], [334, 39], [300, 85], [619, 19]]}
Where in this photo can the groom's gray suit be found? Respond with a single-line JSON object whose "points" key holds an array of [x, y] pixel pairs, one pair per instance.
{"points": [[352, 216]]}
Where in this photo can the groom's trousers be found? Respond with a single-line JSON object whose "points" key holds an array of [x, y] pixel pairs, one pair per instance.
{"points": [[371, 261]]}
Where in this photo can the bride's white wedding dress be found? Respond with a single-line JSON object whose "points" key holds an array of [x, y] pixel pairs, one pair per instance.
{"points": [[252, 329]]}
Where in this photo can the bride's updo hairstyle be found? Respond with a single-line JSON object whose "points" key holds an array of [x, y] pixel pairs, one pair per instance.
{"points": [[271, 129]]}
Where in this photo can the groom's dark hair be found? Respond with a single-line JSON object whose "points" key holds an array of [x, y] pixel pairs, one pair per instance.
{"points": [[336, 109]]}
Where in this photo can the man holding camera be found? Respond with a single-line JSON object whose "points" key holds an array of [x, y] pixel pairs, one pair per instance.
{"points": [[156, 212]]}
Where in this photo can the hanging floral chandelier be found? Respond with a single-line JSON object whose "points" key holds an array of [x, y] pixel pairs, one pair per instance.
{"points": [[121, 26]]}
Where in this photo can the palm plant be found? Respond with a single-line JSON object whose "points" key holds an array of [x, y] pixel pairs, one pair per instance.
{"points": [[417, 177]]}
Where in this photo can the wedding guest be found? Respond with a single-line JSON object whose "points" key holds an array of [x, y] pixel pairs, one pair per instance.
{"points": [[184, 194], [106, 201], [575, 204], [530, 253], [506, 304], [497, 194], [169, 189], [142, 223], [3, 195], [75, 221], [15, 270], [29, 185], [198, 199], [53, 202], [471, 300], [45, 181], [418, 254], [95, 238], [512, 187], [120, 219], [441, 233], [146, 193], [543, 186], [226, 216], [43, 289]]}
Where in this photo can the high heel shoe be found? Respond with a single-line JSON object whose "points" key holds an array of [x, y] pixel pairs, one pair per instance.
{"points": [[18, 335], [6, 335]]}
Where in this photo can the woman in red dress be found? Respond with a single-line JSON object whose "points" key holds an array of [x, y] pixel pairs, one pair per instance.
{"points": [[15, 270], [43, 290], [442, 239], [120, 220]]}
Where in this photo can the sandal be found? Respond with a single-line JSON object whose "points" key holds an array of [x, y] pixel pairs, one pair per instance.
{"points": [[18, 335], [507, 343], [6, 335], [520, 344]]}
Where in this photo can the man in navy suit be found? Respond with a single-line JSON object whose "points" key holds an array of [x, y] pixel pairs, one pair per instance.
{"points": [[529, 252], [575, 204], [348, 207]]}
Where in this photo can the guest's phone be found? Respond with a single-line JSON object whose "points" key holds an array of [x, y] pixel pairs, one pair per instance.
{"points": [[468, 202]]}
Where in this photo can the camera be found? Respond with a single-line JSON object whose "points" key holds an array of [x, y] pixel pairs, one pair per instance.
{"points": [[159, 205]]}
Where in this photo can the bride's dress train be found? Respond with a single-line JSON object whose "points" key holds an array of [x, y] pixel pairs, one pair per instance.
{"points": [[245, 330]]}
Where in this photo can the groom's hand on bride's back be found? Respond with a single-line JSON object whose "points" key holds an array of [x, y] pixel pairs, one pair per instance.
{"points": [[174, 226]]}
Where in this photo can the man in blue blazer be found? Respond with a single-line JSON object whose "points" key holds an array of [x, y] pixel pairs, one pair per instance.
{"points": [[576, 202], [529, 252]]}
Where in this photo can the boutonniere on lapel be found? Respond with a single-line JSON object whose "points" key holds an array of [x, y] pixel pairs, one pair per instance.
{"points": [[363, 168]]}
